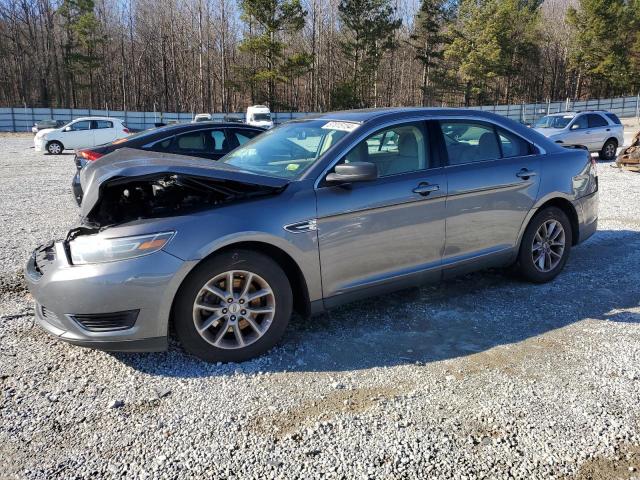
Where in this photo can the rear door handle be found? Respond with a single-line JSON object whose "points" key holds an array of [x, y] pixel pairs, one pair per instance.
{"points": [[426, 188], [524, 173]]}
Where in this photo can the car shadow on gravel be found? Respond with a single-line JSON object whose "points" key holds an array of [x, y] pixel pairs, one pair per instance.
{"points": [[454, 319]]}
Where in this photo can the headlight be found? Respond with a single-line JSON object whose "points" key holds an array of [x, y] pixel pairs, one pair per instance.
{"points": [[92, 249]]}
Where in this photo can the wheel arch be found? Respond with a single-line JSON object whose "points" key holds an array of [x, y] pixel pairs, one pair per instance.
{"points": [[569, 210], [297, 281], [612, 138]]}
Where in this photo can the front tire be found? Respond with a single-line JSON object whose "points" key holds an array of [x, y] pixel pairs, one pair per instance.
{"points": [[545, 246], [609, 150], [234, 306], [54, 148]]}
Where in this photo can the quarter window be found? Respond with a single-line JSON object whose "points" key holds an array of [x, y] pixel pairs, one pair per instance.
{"points": [[596, 121], [469, 142], [160, 145], [395, 150], [614, 118]]}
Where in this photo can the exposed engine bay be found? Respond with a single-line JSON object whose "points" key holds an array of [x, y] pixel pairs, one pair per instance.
{"points": [[125, 199]]}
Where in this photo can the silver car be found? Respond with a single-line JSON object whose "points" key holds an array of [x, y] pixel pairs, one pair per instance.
{"points": [[307, 216], [599, 131]]}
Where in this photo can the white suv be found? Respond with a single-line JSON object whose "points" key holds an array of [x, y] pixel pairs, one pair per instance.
{"points": [[599, 131], [80, 133]]}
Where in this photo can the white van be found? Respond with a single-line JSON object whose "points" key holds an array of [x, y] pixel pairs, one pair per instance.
{"points": [[259, 116]]}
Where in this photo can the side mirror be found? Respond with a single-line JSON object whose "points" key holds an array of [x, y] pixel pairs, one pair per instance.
{"points": [[575, 126], [66, 129], [353, 172]]}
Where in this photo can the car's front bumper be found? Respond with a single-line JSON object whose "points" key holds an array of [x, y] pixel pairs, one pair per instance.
{"points": [[65, 292], [39, 143]]}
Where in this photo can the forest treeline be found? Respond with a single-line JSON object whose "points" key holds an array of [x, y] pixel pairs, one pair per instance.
{"points": [[313, 55]]}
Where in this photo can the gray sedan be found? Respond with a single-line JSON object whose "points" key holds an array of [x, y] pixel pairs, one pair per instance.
{"points": [[310, 215]]}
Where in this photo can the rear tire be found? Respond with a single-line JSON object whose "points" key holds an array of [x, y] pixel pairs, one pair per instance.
{"points": [[545, 246], [609, 150], [55, 148], [248, 321]]}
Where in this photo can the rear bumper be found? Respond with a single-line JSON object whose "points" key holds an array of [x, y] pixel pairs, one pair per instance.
{"points": [[65, 292], [587, 210]]}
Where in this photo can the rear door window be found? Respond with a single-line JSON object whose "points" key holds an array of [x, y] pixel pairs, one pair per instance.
{"points": [[512, 145], [470, 142], [596, 121], [199, 141], [97, 124]]}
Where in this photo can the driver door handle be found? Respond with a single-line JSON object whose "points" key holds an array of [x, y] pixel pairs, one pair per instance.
{"points": [[426, 188], [524, 174]]}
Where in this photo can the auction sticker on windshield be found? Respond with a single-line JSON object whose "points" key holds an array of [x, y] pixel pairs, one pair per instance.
{"points": [[343, 126]]}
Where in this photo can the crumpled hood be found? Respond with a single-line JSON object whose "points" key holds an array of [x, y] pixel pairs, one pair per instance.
{"points": [[129, 163], [549, 132]]}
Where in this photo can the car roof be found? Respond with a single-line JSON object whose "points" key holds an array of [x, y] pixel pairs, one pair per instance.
{"points": [[368, 114], [578, 112], [97, 118], [198, 125]]}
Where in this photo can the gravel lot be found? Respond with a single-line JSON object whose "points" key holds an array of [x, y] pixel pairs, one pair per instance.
{"points": [[481, 377]]}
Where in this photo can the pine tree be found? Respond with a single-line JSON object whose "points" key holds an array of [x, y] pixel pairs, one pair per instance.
{"points": [[370, 30], [80, 56], [427, 41], [492, 42], [273, 18], [603, 38]]}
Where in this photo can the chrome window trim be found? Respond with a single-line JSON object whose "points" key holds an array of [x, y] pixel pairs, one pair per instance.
{"points": [[423, 118]]}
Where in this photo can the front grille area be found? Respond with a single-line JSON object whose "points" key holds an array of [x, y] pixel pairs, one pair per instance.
{"points": [[44, 257], [106, 322]]}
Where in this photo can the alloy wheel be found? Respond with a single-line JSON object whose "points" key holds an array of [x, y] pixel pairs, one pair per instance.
{"points": [[234, 309], [54, 148], [548, 246], [609, 150]]}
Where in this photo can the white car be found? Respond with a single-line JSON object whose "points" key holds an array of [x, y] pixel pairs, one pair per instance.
{"points": [[80, 133], [202, 117], [598, 131]]}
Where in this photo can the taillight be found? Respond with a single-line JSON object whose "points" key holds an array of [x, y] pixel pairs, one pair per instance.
{"points": [[90, 155], [126, 130], [594, 165]]}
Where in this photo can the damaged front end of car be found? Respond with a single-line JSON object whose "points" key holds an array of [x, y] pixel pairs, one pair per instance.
{"points": [[131, 185]]}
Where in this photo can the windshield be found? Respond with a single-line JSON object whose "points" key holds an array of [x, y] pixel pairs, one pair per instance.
{"points": [[287, 151], [262, 117], [554, 121]]}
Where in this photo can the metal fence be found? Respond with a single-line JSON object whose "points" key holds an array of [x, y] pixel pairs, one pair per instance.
{"points": [[21, 119]]}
